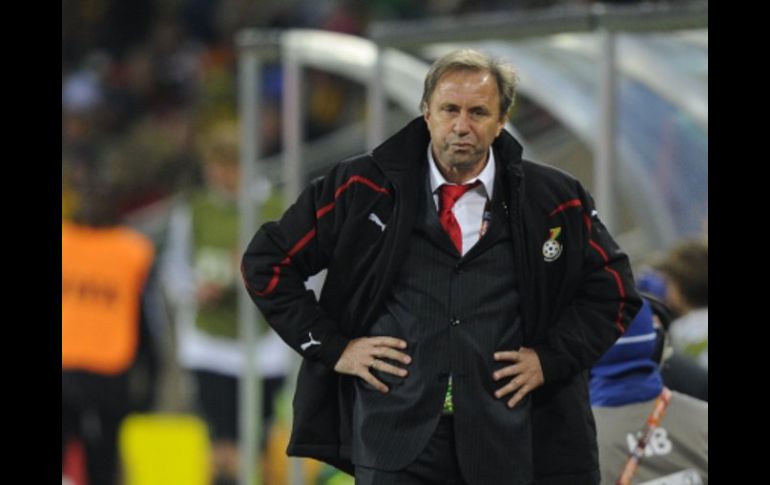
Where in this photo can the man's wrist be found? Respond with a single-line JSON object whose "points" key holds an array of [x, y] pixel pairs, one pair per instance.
{"points": [[331, 349]]}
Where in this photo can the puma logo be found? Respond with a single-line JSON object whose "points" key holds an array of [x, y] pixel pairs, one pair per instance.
{"points": [[310, 342], [373, 217]]}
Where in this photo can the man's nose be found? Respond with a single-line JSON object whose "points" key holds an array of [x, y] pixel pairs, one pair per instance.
{"points": [[461, 124]]}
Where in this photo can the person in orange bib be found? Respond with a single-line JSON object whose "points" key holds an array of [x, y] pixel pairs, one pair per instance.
{"points": [[105, 269]]}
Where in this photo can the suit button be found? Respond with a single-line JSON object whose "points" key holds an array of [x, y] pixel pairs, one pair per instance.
{"points": [[458, 269], [454, 321]]}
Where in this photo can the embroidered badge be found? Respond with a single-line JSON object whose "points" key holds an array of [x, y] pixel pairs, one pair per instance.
{"points": [[552, 248], [486, 218]]}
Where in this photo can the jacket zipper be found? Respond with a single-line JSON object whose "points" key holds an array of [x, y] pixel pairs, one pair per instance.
{"points": [[518, 239]]}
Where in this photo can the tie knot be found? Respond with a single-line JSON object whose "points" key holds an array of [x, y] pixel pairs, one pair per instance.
{"points": [[449, 194]]}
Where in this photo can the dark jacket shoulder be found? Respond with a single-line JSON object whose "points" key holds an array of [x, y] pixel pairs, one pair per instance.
{"points": [[548, 187]]}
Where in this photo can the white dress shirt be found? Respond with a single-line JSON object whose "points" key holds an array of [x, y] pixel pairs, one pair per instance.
{"points": [[469, 209]]}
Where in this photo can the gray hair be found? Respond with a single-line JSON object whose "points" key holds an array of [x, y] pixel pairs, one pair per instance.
{"points": [[472, 60]]}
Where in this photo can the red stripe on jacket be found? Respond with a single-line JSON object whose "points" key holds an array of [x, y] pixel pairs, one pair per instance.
{"points": [[618, 281], [566, 205], [602, 253], [312, 233], [361, 180]]}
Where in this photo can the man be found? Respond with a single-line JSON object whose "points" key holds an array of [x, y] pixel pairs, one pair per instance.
{"points": [[679, 372], [626, 388], [685, 268], [442, 311], [200, 270], [110, 362]]}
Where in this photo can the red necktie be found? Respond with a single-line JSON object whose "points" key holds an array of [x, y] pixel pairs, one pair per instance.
{"points": [[448, 195]]}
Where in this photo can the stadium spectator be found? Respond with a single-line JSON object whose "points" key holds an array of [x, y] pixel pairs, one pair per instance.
{"points": [[627, 393], [200, 275], [685, 268], [109, 359]]}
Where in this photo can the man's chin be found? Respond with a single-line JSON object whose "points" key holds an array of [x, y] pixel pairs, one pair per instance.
{"points": [[464, 163]]}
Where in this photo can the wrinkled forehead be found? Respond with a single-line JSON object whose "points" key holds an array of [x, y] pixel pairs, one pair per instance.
{"points": [[478, 85]]}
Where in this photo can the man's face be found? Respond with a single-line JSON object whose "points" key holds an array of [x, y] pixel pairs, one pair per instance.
{"points": [[463, 118]]}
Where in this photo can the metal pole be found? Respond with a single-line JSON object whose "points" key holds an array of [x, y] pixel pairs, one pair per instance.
{"points": [[556, 19], [604, 163], [292, 173], [250, 389], [376, 113], [292, 125]]}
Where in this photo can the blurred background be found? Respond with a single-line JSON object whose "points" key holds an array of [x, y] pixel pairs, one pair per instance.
{"points": [[201, 117]]}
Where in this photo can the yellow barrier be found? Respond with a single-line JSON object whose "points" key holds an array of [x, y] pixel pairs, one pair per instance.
{"points": [[165, 449], [174, 449]]}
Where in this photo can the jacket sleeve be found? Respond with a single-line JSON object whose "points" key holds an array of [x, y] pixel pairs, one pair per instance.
{"points": [[280, 258], [601, 309]]}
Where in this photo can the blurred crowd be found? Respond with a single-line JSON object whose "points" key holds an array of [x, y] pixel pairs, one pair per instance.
{"points": [[142, 79]]}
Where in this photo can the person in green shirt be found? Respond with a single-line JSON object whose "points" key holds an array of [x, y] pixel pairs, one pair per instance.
{"points": [[201, 274]]}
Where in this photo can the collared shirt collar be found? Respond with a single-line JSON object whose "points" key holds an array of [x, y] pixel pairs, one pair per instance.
{"points": [[486, 177]]}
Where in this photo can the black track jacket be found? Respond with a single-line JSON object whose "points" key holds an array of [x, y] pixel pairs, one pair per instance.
{"points": [[574, 306]]}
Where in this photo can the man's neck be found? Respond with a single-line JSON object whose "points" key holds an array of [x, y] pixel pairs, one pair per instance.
{"points": [[461, 176], [486, 173]]}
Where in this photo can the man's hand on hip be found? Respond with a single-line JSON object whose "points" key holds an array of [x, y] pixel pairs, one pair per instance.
{"points": [[526, 372], [363, 354]]}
